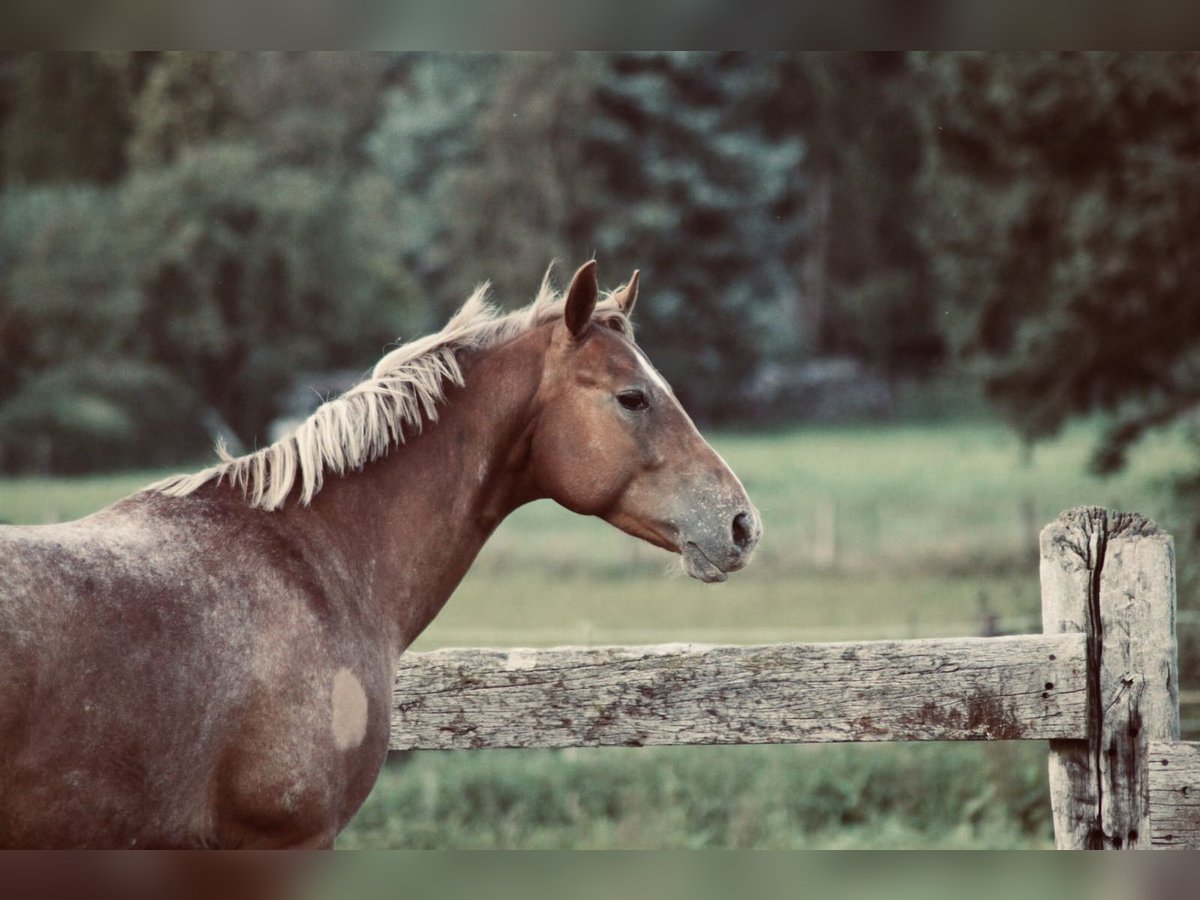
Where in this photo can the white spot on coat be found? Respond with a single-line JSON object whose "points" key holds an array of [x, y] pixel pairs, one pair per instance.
{"points": [[349, 710]]}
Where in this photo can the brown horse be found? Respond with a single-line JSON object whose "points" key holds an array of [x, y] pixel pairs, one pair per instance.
{"points": [[209, 662]]}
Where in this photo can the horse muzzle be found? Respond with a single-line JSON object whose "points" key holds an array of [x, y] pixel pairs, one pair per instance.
{"points": [[711, 553]]}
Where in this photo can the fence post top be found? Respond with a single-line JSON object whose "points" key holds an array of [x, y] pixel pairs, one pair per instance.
{"points": [[1079, 527]]}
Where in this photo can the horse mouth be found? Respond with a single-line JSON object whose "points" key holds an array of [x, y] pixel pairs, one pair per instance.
{"points": [[697, 564]]}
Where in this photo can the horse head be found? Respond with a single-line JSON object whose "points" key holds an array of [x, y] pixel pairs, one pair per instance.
{"points": [[611, 439]]}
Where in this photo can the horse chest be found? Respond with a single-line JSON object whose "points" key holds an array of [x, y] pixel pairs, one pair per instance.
{"points": [[299, 767]]}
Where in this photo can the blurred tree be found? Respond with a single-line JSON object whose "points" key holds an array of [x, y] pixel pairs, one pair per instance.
{"points": [[62, 295], [66, 120], [516, 203], [1063, 204], [251, 242], [311, 109], [426, 140], [705, 198], [248, 272], [73, 395], [642, 159], [10, 78], [769, 195], [93, 414], [218, 278], [865, 286], [188, 99]]}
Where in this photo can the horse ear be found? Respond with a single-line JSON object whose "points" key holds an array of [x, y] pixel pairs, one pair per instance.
{"points": [[581, 298], [627, 296]]}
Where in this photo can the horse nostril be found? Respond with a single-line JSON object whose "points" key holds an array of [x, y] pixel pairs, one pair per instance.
{"points": [[743, 530]]}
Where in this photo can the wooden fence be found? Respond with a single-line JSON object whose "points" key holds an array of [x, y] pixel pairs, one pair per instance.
{"points": [[1100, 684]]}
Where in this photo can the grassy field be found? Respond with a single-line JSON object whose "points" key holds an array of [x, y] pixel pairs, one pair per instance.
{"points": [[870, 532]]}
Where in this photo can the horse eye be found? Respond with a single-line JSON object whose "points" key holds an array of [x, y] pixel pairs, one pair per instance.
{"points": [[634, 400]]}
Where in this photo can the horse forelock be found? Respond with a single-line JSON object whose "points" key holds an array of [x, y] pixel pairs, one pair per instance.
{"points": [[388, 408]]}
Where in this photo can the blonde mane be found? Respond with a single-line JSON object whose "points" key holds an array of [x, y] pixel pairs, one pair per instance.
{"points": [[364, 423]]}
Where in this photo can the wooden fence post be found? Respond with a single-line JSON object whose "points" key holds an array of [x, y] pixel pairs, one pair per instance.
{"points": [[1112, 576]]}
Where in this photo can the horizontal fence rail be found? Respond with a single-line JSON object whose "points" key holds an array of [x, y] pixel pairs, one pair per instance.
{"points": [[1174, 794], [1007, 688]]}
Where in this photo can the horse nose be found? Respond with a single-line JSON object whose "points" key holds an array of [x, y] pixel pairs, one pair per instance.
{"points": [[744, 531]]}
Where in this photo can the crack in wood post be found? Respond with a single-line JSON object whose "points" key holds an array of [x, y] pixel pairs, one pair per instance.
{"points": [[1097, 544]]}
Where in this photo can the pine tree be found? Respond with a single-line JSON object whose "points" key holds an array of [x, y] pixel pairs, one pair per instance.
{"points": [[645, 160]]}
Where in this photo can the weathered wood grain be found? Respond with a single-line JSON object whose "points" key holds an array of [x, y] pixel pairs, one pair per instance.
{"points": [[1175, 795], [1112, 577], [1028, 687]]}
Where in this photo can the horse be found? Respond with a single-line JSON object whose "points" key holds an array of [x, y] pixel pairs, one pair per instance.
{"points": [[209, 662]]}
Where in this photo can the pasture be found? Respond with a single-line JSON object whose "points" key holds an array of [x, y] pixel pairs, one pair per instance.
{"points": [[871, 532]]}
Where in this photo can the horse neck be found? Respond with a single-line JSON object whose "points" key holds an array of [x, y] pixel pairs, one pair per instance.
{"points": [[408, 526]]}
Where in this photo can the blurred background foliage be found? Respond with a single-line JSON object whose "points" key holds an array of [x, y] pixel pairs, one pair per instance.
{"points": [[222, 221]]}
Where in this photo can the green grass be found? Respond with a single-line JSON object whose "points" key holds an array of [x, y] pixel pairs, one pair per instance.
{"points": [[934, 532], [788, 797]]}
